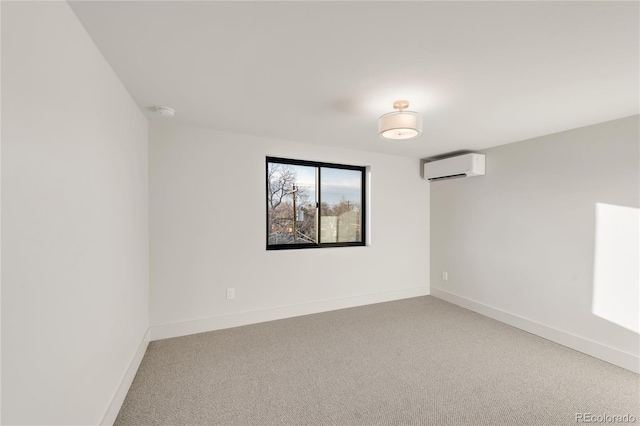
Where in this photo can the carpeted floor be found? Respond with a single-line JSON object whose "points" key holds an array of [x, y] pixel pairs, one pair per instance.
{"points": [[417, 361]]}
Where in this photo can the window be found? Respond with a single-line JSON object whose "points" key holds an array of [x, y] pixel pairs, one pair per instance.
{"points": [[312, 204]]}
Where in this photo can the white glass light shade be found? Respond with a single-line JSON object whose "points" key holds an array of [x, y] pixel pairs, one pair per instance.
{"points": [[400, 125]]}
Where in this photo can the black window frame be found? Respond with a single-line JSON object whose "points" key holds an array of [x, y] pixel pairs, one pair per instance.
{"points": [[319, 166]]}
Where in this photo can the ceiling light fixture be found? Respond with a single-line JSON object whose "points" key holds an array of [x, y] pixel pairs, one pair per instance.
{"points": [[400, 124], [165, 111]]}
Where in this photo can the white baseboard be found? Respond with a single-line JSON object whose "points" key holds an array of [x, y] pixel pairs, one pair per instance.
{"points": [[185, 328], [118, 398], [614, 356]]}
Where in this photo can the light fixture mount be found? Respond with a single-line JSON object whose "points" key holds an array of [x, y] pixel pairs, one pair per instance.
{"points": [[401, 105], [400, 124]]}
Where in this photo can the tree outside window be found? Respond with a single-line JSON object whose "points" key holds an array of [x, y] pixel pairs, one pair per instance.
{"points": [[312, 204]]}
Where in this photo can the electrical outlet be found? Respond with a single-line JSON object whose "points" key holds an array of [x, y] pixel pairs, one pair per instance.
{"points": [[231, 293], [445, 275]]}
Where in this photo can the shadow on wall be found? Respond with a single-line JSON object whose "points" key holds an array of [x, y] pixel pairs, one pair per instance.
{"points": [[616, 278]]}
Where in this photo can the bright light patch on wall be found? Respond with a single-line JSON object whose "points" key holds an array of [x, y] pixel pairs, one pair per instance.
{"points": [[616, 277]]}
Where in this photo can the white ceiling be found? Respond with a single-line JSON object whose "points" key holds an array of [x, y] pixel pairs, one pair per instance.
{"points": [[481, 73]]}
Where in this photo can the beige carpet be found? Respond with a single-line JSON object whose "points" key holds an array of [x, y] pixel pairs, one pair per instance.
{"points": [[417, 361]]}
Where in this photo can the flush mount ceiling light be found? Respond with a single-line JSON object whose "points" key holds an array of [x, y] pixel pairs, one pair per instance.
{"points": [[165, 111], [400, 124]]}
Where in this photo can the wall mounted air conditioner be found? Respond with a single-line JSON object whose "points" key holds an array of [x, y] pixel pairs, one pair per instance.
{"points": [[453, 167]]}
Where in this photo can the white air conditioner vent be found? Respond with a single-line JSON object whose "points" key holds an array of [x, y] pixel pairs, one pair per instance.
{"points": [[466, 165]]}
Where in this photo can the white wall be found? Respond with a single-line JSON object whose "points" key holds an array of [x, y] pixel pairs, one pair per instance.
{"points": [[0, 212], [74, 220], [520, 243], [207, 232]]}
